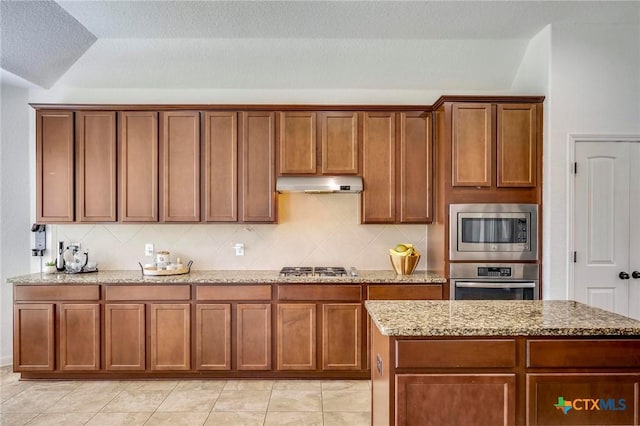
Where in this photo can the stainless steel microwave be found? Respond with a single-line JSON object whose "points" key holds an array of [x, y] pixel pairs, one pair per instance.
{"points": [[493, 232]]}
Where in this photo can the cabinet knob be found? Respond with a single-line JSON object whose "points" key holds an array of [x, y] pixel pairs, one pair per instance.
{"points": [[623, 276], [635, 274]]}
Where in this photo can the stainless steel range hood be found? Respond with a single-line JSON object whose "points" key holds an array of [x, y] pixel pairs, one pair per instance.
{"points": [[319, 184]]}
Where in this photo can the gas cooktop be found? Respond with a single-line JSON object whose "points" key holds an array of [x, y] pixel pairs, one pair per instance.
{"points": [[317, 271]]}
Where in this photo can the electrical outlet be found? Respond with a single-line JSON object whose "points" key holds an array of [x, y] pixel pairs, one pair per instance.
{"points": [[148, 249], [239, 249]]}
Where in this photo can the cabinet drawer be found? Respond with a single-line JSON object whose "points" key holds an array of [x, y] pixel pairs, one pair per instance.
{"points": [[226, 292], [320, 292], [583, 353], [147, 292], [56, 292], [405, 292], [455, 353]]}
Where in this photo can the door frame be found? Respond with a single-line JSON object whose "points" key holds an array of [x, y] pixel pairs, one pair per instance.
{"points": [[572, 141]]}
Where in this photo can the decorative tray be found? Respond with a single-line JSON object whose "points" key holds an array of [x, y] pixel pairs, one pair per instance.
{"points": [[153, 271], [84, 270]]}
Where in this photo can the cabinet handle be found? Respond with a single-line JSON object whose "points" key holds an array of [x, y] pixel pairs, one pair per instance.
{"points": [[623, 276], [635, 274]]}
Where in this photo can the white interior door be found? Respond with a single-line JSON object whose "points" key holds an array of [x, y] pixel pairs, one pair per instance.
{"points": [[601, 224], [634, 230]]}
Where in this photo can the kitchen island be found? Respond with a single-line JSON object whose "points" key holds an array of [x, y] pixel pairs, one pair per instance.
{"points": [[502, 362], [205, 324]]}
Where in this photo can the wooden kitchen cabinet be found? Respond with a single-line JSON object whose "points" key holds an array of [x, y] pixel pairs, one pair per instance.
{"points": [[124, 336], [472, 144], [341, 336], [138, 166], [253, 336], [339, 142], [220, 166], [297, 143], [213, 336], [33, 337], [378, 168], [54, 167], [79, 343], [415, 196], [170, 336], [96, 195], [516, 145], [296, 332], [179, 166], [258, 166]]}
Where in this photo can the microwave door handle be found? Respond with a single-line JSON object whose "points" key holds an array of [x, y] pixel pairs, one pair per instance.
{"points": [[496, 284]]}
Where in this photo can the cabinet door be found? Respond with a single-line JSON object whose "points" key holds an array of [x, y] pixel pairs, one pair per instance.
{"points": [[220, 167], [378, 168], [170, 336], [516, 145], [79, 344], [339, 133], [138, 165], [54, 166], [33, 337], [296, 336], [124, 336], [415, 167], [96, 166], [253, 336], [258, 167], [471, 140], [435, 399], [180, 166], [297, 143], [341, 336], [213, 337]]}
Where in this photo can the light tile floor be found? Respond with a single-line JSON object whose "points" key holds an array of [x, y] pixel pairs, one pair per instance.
{"points": [[183, 402]]}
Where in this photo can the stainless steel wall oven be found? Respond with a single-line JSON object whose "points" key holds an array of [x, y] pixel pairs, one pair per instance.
{"points": [[494, 281]]}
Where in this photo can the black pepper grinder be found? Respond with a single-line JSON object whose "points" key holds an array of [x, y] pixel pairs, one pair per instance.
{"points": [[60, 259]]}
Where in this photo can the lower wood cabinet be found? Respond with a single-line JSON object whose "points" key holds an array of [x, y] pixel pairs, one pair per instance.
{"points": [[213, 336], [124, 336], [79, 336], [33, 337], [341, 336], [296, 336], [253, 336], [170, 336]]}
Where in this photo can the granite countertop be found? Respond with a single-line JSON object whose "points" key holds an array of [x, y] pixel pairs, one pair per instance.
{"points": [[225, 277], [497, 318]]}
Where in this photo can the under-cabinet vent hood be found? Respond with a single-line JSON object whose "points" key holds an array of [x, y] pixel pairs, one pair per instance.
{"points": [[319, 184]]}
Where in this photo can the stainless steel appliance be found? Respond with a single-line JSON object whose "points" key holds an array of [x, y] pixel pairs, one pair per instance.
{"points": [[493, 232], [317, 271], [497, 281], [319, 184]]}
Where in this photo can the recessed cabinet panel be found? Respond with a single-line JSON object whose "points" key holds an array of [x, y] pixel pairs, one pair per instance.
{"points": [[415, 168], [180, 166], [220, 167], [138, 166], [79, 336], [339, 134], [253, 336], [124, 336], [516, 145], [296, 336], [213, 336], [258, 167], [96, 166], [471, 145], [54, 166], [341, 336], [170, 336], [379, 172], [33, 337], [297, 143]]}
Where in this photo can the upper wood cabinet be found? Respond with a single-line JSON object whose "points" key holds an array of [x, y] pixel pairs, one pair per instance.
{"points": [[96, 166], [220, 166], [54, 167], [180, 166], [138, 166], [297, 144], [516, 145], [415, 168], [378, 168], [494, 145], [339, 138], [258, 166]]}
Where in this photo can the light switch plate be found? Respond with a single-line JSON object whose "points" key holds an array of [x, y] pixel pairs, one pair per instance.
{"points": [[239, 249], [148, 249]]}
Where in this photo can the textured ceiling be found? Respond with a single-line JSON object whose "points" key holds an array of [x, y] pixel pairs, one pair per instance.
{"points": [[265, 44]]}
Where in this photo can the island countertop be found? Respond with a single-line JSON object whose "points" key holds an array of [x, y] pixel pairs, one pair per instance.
{"points": [[497, 318], [226, 277]]}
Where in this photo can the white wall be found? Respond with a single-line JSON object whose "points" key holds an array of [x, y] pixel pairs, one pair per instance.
{"points": [[15, 203]]}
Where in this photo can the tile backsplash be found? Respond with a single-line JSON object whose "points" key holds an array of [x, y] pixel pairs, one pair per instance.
{"points": [[312, 230]]}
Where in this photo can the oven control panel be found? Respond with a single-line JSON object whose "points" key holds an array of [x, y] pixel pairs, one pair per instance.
{"points": [[494, 271]]}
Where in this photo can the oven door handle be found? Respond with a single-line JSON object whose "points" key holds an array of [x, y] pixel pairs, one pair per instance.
{"points": [[495, 284]]}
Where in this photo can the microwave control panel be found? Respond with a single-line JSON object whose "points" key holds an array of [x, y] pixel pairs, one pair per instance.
{"points": [[521, 231], [494, 271]]}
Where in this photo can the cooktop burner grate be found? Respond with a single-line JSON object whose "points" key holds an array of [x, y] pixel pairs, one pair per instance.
{"points": [[308, 271]]}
